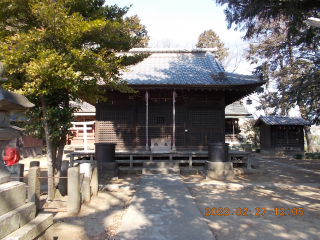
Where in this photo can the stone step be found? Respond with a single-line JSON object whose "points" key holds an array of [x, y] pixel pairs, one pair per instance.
{"points": [[160, 171], [34, 229], [12, 195], [160, 165], [12, 220]]}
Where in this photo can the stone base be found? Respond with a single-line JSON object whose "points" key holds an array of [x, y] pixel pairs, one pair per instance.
{"points": [[221, 166], [107, 166], [219, 170], [108, 174], [107, 170], [246, 171]]}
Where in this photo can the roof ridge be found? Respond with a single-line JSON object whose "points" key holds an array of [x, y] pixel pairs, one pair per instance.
{"points": [[172, 50]]}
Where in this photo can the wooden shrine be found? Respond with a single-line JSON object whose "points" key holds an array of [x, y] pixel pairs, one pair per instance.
{"points": [[281, 135], [181, 95]]}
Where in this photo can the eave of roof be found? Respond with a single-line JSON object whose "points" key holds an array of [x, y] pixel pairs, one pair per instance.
{"points": [[183, 68], [280, 120]]}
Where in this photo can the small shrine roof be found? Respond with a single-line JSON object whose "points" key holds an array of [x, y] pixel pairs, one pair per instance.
{"points": [[237, 110], [280, 120], [183, 67]]}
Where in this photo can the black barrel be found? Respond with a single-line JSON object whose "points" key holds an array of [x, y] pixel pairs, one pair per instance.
{"points": [[218, 152], [105, 152]]}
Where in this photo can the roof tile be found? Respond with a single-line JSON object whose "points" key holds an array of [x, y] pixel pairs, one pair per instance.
{"points": [[181, 67]]}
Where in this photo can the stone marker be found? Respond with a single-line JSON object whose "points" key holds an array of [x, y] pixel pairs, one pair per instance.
{"points": [[73, 190], [34, 186], [63, 183], [34, 164], [85, 168]]}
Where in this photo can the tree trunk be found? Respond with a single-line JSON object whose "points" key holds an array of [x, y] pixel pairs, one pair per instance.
{"points": [[59, 160], [51, 188], [310, 144]]}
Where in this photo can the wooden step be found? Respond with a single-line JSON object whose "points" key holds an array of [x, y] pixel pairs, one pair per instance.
{"points": [[160, 165], [160, 171]]}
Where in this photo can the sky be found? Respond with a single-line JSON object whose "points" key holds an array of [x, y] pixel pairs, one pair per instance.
{"points": [[180, 21]]}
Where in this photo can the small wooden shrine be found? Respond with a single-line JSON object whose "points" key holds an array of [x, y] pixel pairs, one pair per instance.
{"points": [[181, 95], [281, 135]]}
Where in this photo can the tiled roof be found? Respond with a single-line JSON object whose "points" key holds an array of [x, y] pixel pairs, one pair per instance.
{"points": [[84, 107], [237, 109], [279, 120], [183, 67]]}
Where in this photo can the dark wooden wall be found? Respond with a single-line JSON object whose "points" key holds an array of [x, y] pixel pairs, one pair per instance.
{"points": [[276, 138], [199, 118]]}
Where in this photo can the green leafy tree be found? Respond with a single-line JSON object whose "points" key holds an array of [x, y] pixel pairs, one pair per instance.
{"points": [[250, 134], [59, 50], [139, 30], [209, 39], [286, 50]]}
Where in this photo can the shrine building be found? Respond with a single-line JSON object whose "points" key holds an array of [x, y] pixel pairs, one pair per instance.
{"points": [[181, 96]]}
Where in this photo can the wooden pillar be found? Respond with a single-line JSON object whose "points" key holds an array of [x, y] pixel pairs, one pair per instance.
{"points": [[174, 95], [147, 120], [134, 127]]}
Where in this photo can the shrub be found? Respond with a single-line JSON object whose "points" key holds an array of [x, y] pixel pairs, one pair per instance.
{"points": [[298, 156]]}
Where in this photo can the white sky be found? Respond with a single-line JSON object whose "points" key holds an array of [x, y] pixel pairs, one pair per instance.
{"points": [[180, 22]]}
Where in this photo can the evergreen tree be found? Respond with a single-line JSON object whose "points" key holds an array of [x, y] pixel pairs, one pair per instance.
{"points": [[209, 39], [59, 50], [286, 51]]}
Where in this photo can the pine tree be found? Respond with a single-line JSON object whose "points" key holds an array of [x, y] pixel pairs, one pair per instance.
{"points": [[209, 39], [285, 49]]}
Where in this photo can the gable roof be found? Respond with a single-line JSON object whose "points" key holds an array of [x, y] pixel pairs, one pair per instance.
{"points": [[183, 67], [237, 110], [280, 120]]}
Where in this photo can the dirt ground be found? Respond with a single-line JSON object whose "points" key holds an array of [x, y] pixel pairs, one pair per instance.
{"points": [[282, 204]]}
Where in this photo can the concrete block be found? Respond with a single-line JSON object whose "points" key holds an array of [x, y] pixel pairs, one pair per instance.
{"points": [[85, 189], [12, 196], [160, 171], [63, 183], [221, 166], [85, 168], [4, 173], [94, 181], [160, 165], [12, 220], [34, 164], [220, 174], [108, 166], [33, 229], [73, 190], [34, 186]]}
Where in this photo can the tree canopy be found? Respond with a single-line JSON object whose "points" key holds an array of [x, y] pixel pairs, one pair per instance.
{"points": [[209, 39], [286, 51], [60, 50], [248, 15]]}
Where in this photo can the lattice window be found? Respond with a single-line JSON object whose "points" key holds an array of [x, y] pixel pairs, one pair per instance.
{"points": [[160, 120], [205, 126], [116, 127], [160, 123]]}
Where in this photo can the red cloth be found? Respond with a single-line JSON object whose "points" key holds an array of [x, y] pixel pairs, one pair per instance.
{"points": [[12, 156]]}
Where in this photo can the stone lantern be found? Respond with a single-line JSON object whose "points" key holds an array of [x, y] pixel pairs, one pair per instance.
{"points": [[9, 102]]}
